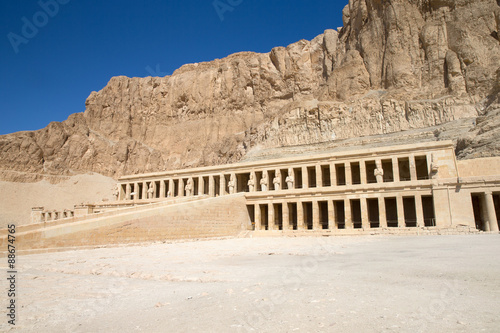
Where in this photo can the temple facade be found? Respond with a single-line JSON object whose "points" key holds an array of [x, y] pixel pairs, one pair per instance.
{"points": [[407, 186]]}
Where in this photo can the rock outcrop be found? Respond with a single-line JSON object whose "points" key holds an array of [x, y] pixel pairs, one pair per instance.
{"points": [[395, 65]]}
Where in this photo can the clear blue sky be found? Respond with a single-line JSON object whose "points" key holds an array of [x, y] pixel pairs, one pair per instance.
{"points": [[48, 71]]}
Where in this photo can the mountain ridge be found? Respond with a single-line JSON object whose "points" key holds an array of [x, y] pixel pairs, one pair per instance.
{"points": [[393, 66]]}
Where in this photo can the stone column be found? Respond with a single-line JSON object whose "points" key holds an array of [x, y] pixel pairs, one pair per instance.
{"points": [[300, 216], [144, 190], [395, 169], [211, 187], [255, 182], [235, 183], [136, 191], [190, 181], [490, 209], [171, 187], [319, 176], [378, 163], [155, 189], [401, 211], [222, 182], [162, 188], [270, 218], [333, 175], [382, 213], [362, 173], [316, 222], [285, 216], [201, 185], [128, 191], [331, 216], [347, 213], [181, 187], [348, 174], [258, 218], [305, 177], [419, 210], [365, 223], [413, 168]]}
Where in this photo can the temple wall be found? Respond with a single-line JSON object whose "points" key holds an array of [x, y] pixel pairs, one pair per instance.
{"points": [[211, 217], [488, 166]]}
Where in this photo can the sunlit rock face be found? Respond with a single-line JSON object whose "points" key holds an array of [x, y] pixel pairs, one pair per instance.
{"points": [[393, 66]]}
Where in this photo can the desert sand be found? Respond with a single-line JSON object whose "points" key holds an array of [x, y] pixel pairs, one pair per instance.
{"points": [[325, 284], [19, 198]]}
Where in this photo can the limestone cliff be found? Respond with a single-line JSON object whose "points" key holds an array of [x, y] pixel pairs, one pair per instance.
{"points": [[394, 65]]}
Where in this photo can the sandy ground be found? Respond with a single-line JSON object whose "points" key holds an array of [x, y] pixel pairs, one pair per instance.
{"points": [[17, 199], [334, 284]]}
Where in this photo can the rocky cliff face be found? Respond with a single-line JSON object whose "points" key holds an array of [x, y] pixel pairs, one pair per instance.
{"points": [[394, 65]]}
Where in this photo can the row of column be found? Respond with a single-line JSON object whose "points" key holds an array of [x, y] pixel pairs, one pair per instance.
{"points": [[149, 189], [332, 214]]}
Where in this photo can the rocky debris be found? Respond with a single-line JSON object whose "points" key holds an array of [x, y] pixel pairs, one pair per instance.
{"points": [[394, 66]]}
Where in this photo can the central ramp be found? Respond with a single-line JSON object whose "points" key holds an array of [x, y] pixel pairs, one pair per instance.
{"points": [[209, 217]]}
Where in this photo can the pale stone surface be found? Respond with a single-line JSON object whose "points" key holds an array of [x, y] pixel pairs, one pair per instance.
{"points": [[394, 66], [341, 284], [19, 198]]}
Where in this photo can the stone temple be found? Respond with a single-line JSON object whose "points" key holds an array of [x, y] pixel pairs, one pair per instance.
{"points": [[412, 188]]}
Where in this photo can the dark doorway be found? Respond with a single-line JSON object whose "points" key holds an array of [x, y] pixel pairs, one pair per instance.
{"points": [[428, 210], [323, 214], [206, 186], [355, 173], [264, 219], [311, 174], [391, 212], [373, 213], [404, 169], [278, 216], [340, 173], [410, 211], [370, 172], [356, 213], [388, 171], [496, 202], [292, 215], [216, 186], [421, 167], [297, 174], [251, 215], [325, 175], [242, 182], [477, 207], [339, 207], [157, 189], [308, 215]]}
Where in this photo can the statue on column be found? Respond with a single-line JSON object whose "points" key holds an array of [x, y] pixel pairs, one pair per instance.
{"points": [[151, 191], [169, 194], [434, 165], [251, 183], [189, 187], [231, 184], [379, 172], [290, 179], [116, 192], [277, 180], [264, 182]]}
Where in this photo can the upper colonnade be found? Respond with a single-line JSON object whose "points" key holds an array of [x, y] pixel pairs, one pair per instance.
{"points": [[346, 169]]}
